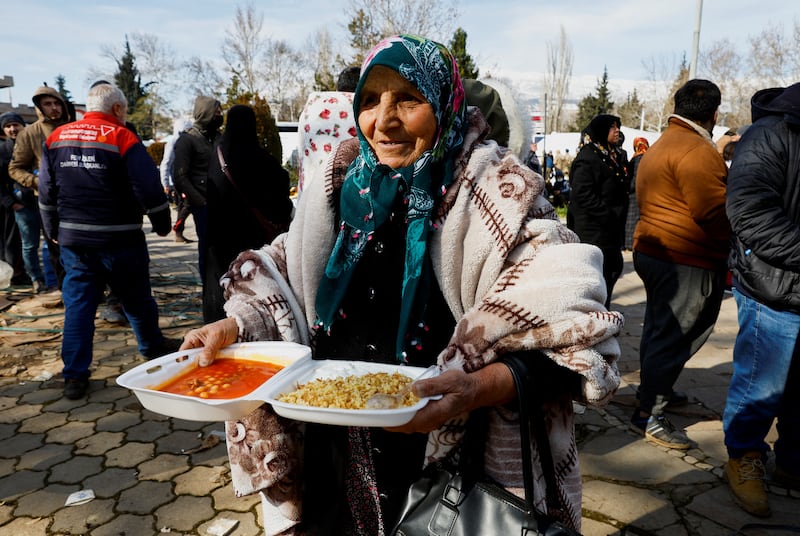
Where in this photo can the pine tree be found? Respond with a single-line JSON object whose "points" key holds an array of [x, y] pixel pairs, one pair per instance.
{"points": [[594, 104], [363, 35], [128, 79], [630, 111], [458, 47], [61, 86]]}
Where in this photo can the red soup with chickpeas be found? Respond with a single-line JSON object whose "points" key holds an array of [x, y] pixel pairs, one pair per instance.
{"points": [[224, 378]]}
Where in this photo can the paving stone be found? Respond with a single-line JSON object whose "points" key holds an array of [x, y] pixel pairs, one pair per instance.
{"points": [[8, 430], [43, 422], [18, 413], [591, 527], [182, 424], [145, 497], [129, 454], [70, 432], [163, 467], [178, 442], [21, 443], [45, 457], [201, 481], [716, 504], [226, 499], [108, 345], [127, 524], [148, 431], [20, 389], [25, 526], [99, 443], [20, 483], [82, 518], [184, 513], [91, 412], [110, 394], [76, 469], [111, 481], [247, 525], [643, 508], [117, 421], [44, 502], [41, 396], [105, 372], [7, 466], [5, 514]]}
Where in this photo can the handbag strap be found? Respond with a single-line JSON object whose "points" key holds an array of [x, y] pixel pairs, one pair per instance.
{"points": [[270, 228], [532, 413]]}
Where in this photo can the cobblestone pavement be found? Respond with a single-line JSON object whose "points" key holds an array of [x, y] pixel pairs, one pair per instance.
{"points": [[152, 474]]}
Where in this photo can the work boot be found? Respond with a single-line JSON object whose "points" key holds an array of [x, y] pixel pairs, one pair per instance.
{"points": [[745, 478]]}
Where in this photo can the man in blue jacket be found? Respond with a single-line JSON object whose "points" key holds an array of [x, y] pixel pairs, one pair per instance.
{"points": [[95, 183], [763, 206]]}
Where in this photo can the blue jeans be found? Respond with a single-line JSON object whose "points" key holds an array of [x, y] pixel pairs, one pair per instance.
{"points": [[88, 270], [30, 230], [765, 383]]}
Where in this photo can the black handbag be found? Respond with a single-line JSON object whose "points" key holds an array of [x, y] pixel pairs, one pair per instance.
{"points": [[450, 500]]}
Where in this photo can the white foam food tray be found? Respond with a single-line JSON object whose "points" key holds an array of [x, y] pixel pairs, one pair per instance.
{"points": [[143, 379], [328, 369]]}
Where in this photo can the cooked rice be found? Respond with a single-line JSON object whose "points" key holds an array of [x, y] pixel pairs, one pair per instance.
{"points": [[349, 392]]}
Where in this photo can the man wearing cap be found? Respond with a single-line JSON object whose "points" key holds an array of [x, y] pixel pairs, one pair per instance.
{"points": [[11, 124], [51, 108]]}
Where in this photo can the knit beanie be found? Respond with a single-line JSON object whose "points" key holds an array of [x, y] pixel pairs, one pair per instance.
{"points": [[11, 117]]}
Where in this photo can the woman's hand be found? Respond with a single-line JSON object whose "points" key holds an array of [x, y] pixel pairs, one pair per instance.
{"points": [[492, 385], [211, 337]]}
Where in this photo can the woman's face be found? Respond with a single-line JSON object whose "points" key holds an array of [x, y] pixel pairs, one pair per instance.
{"points": [[396, 120]]}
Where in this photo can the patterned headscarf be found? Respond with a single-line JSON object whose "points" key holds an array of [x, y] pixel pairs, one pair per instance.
{"points": [[370, 187], [640, 146]]}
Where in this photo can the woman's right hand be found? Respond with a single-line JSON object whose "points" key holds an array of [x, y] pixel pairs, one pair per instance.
{"points": [[211, 337]]}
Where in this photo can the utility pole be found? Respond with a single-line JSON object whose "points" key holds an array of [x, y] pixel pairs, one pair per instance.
{"points": [[696, 43]]}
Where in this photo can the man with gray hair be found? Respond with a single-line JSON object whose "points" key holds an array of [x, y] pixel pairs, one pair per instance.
{"points": [[96, 181]]}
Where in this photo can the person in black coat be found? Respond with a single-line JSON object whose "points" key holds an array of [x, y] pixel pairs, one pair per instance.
{"points": [[247, 207], [598, 203]]}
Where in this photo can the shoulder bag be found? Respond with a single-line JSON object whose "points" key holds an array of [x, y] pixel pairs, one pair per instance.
{"points": [[451, 501], [271, 229]]}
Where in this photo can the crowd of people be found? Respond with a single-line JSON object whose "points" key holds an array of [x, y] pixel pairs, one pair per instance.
{"points": [[424, 236]]}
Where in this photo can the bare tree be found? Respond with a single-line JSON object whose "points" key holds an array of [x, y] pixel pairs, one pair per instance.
{"points": [[283, 69], [557, 79], [244, 47], [203, 78], [159, 69], [326, 64], [435, 19], [723, 65], [775, 57], [657, 95]]}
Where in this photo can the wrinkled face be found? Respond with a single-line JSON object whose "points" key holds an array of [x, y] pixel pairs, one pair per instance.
{"points": [[51, 107], [396, 120], [613, 135], [12, 129]]}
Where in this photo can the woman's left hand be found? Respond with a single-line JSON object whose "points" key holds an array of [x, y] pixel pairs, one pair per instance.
{"points": [[462, 392]]}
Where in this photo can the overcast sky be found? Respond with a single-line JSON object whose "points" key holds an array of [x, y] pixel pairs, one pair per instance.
{"points": [[42, 38]]}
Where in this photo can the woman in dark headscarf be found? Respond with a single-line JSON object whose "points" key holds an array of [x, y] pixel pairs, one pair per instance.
{"points": [[598, 201], [254, 189], [640, 146], [423, 243]]}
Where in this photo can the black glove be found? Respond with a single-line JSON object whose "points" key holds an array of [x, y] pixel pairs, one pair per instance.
{"points": [[162, 222]]}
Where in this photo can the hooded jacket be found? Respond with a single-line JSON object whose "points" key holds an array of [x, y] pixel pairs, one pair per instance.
{"points": [[193, 152], [763, 202], [24, 166]]}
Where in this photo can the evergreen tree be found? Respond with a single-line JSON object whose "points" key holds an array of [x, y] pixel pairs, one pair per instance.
{"points": [[594, 104], [61, 86], [630, 111], [128, 79], [458, 46], [266, 127], [681, 78], [363, 35]]}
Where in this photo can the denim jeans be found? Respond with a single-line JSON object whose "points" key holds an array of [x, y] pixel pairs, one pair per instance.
{"points": [[30, 231], [126, 270], [765, 383]]}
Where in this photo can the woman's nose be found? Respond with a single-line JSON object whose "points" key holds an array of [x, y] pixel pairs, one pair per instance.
{"points": [[386, 114]]}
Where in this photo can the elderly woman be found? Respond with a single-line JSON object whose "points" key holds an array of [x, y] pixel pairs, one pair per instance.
{"points": [[422, 243]]}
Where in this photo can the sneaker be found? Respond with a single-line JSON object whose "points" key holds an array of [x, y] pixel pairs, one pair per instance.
{"points": [[745, 478], [785, 478], [661, 431], [39, 286], [75, 388], [167, 346]]}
